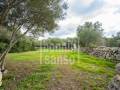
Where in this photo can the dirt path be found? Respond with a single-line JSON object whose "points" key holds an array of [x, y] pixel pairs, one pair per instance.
{"points": [[64, 77]]}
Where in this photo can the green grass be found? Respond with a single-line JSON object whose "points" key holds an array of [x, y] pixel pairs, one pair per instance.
{"points": [[37, 80], [32, 55], [96, 73], [90, 63], [40, 76]]}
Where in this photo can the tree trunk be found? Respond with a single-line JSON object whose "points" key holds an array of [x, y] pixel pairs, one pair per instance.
{"points": [[2, 57]]}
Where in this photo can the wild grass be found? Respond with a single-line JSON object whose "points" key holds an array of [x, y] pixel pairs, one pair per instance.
{"points": [[95, 73], [38, 79]]}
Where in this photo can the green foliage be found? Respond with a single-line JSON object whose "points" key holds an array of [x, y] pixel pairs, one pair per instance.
{"points": [[32, 17], [114, 41], [25, 44], [89, 34], [2, 46], [4, 39], [40, 15]]}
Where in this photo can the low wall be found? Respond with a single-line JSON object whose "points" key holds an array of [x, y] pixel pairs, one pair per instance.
{"points": [[112, 54], [115, 82]]}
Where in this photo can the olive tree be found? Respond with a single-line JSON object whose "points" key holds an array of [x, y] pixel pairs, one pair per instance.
{"points": [[89, 34], [28, 17]]}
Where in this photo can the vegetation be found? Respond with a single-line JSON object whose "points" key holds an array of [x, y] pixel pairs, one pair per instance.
{"points": [[114, 41], [57, 43], [89, 34], [96, 73], [33, 17], [92, 73], [24, 44], [22, 21]]}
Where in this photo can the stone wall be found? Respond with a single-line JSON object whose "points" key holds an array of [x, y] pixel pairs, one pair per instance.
{"points": [[115, 83], [109, 53]]}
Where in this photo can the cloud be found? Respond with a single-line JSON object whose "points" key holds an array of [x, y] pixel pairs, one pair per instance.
{"points": [[85, 7], [112, 3], [108, 15], [87, 2], [105, 11]]}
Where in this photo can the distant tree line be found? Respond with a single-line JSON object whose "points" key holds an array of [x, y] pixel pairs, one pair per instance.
{"points": [[114, 41], [25, 44], [88, 35], [57, 43]]}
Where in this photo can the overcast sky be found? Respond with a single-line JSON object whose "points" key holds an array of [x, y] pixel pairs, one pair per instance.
{"points": [[105, 11]]}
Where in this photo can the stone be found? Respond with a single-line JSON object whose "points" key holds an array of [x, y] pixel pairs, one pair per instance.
{"points": [[118, 68], [109, 53], [118, 57], [115, 83]]}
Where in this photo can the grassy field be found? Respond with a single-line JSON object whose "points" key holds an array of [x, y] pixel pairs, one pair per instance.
{"points": [[96, 73], [29, 71]]}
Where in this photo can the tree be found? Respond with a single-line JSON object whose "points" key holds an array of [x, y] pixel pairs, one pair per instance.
{"points": [[114, 41], [89, 34], [33, 17]]}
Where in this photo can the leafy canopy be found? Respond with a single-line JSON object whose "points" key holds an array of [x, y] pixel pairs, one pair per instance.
{"points": [[38, 16], [89, 34]]}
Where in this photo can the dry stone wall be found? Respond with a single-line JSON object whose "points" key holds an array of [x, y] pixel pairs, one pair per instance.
{"points": [[115, 83], [109, 53]]}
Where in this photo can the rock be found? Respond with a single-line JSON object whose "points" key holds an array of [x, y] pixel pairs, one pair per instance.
{"points": [[110, 53], [118, 68], [118, 57], [115, 83]]}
